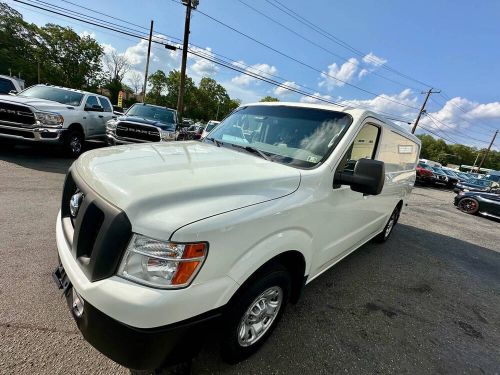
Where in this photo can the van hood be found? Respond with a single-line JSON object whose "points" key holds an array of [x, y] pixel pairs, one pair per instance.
{"points": [[40, 104], [163, 186]]}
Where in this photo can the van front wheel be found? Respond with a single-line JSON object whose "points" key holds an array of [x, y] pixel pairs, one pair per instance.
{"points": [[254, 313], [393, 219]]}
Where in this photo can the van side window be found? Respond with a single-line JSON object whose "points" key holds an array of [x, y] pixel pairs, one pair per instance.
{"points": [[364, 146], [398, 153]]}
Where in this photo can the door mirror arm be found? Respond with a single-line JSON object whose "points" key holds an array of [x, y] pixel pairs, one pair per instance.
{"points": [[368, 177]]}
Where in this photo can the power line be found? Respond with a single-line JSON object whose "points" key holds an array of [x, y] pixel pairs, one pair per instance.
{"points": [[450, 100], [440, 130], [196, 53], [297, 60], [230, 65], [475, 125], [283, 8], [346, 60], [456, 130]]}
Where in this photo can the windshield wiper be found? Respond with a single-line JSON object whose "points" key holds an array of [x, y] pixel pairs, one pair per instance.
{"points": [[213, 140], [257, 151]]}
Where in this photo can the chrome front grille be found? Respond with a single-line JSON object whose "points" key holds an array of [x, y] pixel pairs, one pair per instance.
{"points": [[16, 115]]}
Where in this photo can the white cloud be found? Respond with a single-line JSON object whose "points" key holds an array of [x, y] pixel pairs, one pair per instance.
{"points": [[262, 69], [284, 88], [203, 67], [363, 72], [337, 76], [85, 33], [309, 99], [374, 60], [137, 54]]}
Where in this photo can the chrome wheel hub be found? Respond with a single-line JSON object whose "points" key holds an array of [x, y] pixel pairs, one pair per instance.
{"points": [[75, 145], [390, 225], [260, 316]]}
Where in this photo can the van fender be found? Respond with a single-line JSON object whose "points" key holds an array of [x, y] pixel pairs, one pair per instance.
{"points": [[270, 247]]}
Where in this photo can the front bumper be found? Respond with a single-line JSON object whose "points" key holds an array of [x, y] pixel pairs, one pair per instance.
{"points": [[139, 348], [42, 135]]}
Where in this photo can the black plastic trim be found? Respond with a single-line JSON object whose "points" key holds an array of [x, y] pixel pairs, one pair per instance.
{"points": [[99, 234], [145, 348]]}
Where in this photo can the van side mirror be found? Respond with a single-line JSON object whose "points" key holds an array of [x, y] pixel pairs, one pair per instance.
{"points": [[13, 92], [368, 177]]}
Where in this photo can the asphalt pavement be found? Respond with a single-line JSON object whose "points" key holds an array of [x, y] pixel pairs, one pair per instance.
{"points": [[427, 301]]}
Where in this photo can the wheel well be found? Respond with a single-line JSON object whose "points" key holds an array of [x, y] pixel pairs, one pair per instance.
{"points": [[400, 204], [77, 127], [295, 263]]}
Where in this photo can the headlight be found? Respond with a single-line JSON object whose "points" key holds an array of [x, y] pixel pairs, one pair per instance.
{"points": [[111, 125], [162, 264], [49, 119], [167, 135]]}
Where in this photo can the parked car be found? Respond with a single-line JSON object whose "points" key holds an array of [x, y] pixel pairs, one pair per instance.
{"points": [[441, 177], [493, 176], [473, 202], [10, 85], [54, 115], [194, 132], [453, 179], [481, 185], [425, 174], [142, 123], [209, 127], [159, 242]]}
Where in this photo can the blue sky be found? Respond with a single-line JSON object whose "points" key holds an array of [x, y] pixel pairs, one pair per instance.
{"points": [[451, 45]]}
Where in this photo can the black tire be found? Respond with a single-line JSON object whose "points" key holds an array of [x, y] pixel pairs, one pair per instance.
{"points": [[468, 205], [393, 220], [273, 278], [73, 143]]}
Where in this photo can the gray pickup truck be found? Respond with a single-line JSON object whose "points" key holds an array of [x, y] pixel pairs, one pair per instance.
{"points": [[54, 115]]}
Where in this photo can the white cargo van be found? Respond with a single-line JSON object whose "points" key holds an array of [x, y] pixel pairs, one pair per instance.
{"points": [[160, 242]]}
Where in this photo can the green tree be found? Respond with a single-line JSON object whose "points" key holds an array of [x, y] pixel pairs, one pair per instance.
{"points": [[269, 99], [68, 59], [64, 57]]}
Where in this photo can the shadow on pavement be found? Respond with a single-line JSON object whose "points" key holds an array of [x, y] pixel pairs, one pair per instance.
{"points": [[420, 303], [40, 157]]}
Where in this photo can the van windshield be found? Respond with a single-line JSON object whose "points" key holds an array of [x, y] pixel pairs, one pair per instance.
{"points": [[296, 136]]}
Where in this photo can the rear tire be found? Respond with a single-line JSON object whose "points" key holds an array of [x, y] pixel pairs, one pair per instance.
{"points": [[254, 313], [393, 220], [73, 143], [468, 205]]}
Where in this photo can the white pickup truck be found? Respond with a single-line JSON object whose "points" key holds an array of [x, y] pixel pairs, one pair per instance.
{"points": [[55, 115]]}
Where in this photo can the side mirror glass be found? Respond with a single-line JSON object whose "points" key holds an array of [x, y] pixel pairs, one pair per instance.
{"points": [[368, 177]]}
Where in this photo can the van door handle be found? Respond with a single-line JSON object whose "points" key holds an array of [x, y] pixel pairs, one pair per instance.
{"points": [[101, 116]]}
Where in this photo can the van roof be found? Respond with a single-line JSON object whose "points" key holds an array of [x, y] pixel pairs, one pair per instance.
{"points": [[355, 112]]}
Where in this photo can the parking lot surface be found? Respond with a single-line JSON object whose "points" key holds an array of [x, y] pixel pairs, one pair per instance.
{"points": [[427, 301]]}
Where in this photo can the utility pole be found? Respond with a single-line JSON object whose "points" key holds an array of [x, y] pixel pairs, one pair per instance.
{"points": [[422, 109], [475, 161], [487, 152], [190, 4], [147, 64]]}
